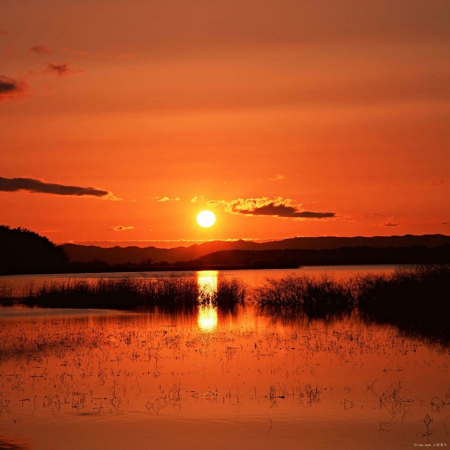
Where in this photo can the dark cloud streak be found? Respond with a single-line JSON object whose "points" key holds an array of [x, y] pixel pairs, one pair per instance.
{"points": [[285, 211], [61, 69], [10, 87], [40, 50], [264, 206], [37, 186]]}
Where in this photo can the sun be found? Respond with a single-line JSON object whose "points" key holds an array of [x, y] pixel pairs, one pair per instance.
{"points": [[206, 218]]}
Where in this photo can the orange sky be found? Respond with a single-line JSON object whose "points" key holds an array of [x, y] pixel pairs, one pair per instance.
{"points": [[286, 118]]}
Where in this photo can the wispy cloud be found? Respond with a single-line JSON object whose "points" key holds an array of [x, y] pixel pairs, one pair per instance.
{"points": [[391, 224], [167, 199], [37, 186], [278, 207], [196, 198], [122, 228], [61, 69], [3, 33], [10, 87], [278, 177], [40, 50]]}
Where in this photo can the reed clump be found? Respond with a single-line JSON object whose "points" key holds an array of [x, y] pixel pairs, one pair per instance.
{"points": [[414, 298], [315, 297], [112, 293], [166, 293], [230, 293]]}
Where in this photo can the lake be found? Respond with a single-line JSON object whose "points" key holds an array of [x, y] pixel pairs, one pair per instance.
{"points": [[85, 379], [20, 284]]}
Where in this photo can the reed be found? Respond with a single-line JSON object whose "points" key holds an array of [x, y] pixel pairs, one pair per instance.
{"points": [[111, 293], [416, 299], [315, 297], [229, 294], [167, 293]]}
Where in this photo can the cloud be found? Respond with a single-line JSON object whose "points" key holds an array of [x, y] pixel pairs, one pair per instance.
{"points": [[264, 206], [167, 199], [37, 186], [122, 228], [391, 224], [10, 87], [3, 33], [40, 50], [278, 177], [197, 198], [61, 69]]}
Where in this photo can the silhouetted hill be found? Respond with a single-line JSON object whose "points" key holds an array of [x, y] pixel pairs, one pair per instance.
{"points": [[136, 255], [23, 251], [338, 256], [333, 242]]}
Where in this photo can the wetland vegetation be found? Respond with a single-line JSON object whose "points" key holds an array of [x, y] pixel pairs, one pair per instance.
{"points": [[414, 298]]}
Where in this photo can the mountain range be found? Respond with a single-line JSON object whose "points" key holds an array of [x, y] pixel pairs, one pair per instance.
{"points": [[137, 255]]}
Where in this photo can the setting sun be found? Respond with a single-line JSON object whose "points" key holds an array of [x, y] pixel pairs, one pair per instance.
{"points": [[206, 218]]}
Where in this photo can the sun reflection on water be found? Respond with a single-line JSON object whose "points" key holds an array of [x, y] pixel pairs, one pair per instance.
{"points": [[207, 312], [207, 317]]}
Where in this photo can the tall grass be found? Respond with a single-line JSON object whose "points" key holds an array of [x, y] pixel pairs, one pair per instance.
{"points": [[230, 293], [315, 297], [165, 293], [416, 299], [111, 293]]}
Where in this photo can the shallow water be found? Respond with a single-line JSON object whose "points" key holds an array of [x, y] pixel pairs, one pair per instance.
{"points": [[101, 379]]}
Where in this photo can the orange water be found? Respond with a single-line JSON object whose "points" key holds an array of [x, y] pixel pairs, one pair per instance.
{"points": [[111, 380]]}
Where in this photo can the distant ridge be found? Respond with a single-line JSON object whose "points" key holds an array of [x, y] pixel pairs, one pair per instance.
{"points": [[137, 255], [23, 251]]}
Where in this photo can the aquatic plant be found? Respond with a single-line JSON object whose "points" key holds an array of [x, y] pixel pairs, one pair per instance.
{"points": [[315, 297], [167, 293], [230, 293], [115, 293], [414, 298]]}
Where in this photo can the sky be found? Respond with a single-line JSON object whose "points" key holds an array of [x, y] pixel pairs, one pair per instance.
{"points": [[121, 120]]}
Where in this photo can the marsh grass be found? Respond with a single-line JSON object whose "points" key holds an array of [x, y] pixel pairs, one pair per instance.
{"points": [[315, 297], [416, 299], [173, 293], [122, 293], [229, 294]]}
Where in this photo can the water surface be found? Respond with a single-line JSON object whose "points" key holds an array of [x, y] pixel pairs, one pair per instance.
{"points": [[72, 379], [115, 380]]}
